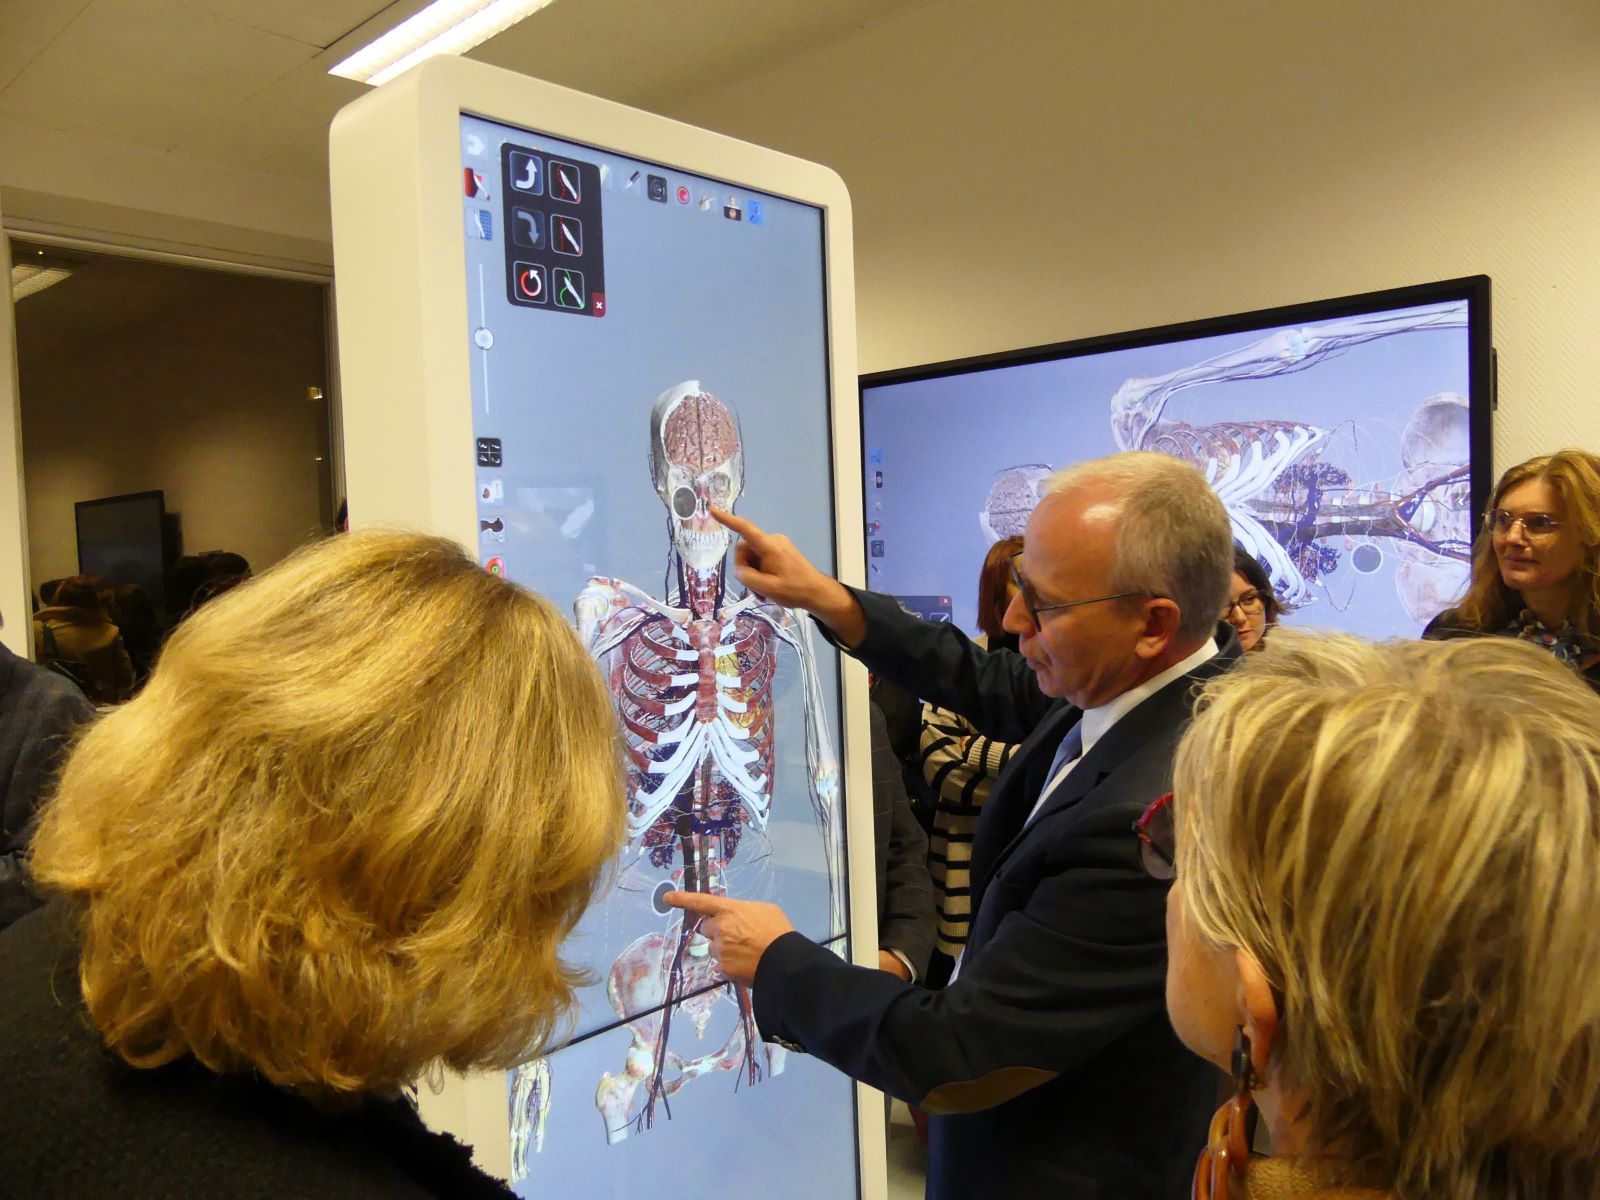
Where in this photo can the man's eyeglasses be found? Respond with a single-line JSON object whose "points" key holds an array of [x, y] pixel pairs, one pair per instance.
{"points": [[1536, 527], [1158, 840], [1035, 608], [1250, 604]]}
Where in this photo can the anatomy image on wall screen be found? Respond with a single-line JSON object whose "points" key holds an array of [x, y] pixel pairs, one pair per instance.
{"points": [[1341, 448], [646, 344]]}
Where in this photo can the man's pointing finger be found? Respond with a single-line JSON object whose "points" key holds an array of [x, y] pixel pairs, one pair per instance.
{"points": [[747, 529]]}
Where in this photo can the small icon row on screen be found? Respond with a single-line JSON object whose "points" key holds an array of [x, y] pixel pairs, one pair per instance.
{"points": [[926, 608], [491, 492], [554, 245], [749, 210], [533, 175], [562, 234], [657, 189], [562, 286]]}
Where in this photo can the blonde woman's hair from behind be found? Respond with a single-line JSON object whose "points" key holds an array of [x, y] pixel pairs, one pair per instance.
{"points": [[1574, 475], [1405, 837], [343, 831]]}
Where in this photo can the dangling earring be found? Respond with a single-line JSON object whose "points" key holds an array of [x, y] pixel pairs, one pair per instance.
{"points": [[1244, 1071], [1219, 1174]]}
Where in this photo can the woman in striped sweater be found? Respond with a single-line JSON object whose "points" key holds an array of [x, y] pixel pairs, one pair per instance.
{"points": [[960, 764]]}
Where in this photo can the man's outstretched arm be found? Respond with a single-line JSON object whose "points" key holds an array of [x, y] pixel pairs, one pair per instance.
{"points": [[772, 566], [997, 691], [1061, 979]]}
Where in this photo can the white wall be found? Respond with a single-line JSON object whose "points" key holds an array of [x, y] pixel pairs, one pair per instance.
{"points": [[1027, 171], [206, 403], [13, 531]]}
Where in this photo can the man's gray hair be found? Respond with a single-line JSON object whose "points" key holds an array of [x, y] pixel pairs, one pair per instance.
{"points": [[1173, 534]]}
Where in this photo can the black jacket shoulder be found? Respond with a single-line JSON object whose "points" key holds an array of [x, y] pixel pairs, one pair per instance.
{"points": [[1448, 626], [88, 1126]]}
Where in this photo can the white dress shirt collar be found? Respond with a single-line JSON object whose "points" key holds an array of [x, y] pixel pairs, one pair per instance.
{"points": [[1098, 721]]}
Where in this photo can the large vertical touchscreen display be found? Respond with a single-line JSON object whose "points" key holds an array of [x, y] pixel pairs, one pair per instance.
{"points": [[647, 343]]}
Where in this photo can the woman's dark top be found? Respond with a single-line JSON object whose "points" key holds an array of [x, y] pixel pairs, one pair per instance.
{"points": [[1527, 627], [81, 1123]]}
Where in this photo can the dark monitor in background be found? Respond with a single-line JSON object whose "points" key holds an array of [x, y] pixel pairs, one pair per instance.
{"points": [[1348, 438], [124, 539]]}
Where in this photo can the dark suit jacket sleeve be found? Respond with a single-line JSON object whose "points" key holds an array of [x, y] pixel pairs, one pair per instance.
{"points": [[995, 690], [1080, 964], [905, 908], [41, 717]]}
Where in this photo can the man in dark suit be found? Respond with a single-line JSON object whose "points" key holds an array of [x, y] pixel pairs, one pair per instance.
{"points": [[1048, 1061], [39, 711]]}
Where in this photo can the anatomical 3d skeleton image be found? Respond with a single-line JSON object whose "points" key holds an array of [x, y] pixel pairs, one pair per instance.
{"points": [[693, 674]]}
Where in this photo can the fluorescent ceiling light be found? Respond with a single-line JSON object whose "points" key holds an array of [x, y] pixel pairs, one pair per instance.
{"points": [[444, 27], [27, 279]]}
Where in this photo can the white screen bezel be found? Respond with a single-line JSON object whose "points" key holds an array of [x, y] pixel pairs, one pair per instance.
{"points": [[400, 287]]}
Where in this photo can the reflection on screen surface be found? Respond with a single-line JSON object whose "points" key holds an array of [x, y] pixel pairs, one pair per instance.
{"points": [[646, 343], [1339, 446]]}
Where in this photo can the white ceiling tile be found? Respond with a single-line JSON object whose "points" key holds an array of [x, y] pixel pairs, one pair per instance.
{"points": [[26, 27], [672, 51], [147, 71], [316, 22], [299, 106], [305, 159], [243, 82]]}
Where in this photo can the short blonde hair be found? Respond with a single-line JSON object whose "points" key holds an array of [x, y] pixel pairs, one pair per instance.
{"points": [[1174, 538], [1406, 837], [344, 829], [1574, 475]]}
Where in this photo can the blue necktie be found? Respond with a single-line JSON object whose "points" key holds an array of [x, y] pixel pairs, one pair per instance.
{"points": [[1071, 747]]}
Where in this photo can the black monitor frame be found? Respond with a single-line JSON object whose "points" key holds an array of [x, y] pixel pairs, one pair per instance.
{"points": [[1475, 289], [159, 498]]}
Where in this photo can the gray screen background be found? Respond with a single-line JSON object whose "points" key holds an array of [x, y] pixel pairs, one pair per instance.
{"points": [[690, 295]]}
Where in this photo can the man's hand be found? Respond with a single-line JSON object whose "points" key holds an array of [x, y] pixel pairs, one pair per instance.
{"points": [[771, 565], [739, 930], [890, 962]]}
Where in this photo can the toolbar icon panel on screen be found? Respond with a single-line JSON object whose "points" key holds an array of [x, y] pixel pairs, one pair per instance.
{"points": [[552, 218]]}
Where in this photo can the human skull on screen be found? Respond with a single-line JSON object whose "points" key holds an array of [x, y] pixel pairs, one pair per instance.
{"points": [[1013, 495], [697, 461]]}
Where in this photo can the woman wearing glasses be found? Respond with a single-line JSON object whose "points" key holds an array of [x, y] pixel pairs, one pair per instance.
{"points": [[1409, 994], [1536, 570], [1253, 607]]}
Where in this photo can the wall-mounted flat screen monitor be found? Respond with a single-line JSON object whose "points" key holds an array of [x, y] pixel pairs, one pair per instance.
{"points": [[603, 324], [1349, 440], [123, 539]]}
